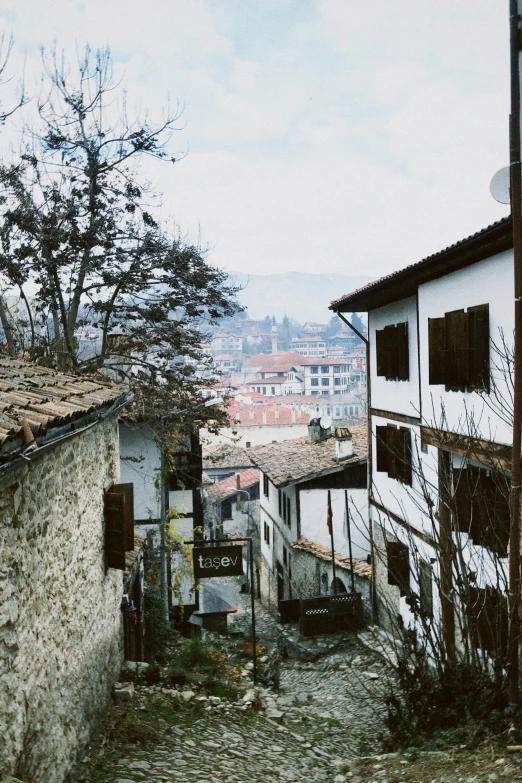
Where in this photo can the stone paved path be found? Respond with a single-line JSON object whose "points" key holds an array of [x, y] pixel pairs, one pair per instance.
{"points": [[324, 713]]}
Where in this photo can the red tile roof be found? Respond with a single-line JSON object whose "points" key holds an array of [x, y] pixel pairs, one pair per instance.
{"points": [[360, 568], [274, 359], [228, 487]]}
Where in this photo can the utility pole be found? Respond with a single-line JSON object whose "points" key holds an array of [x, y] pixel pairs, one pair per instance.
{"points": [[515, 10]]}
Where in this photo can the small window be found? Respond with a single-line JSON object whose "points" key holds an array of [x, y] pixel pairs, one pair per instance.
{"points": [[391, 348], [264, 389], [325, 381], [337, 368], [248, 444], [273, 389], [325, 369], [398, 566], [119, 524], [314, 370], [280, 501], [337, 381], [285, 556], [266, 485], [394, 452], [315, 382], [288, 512], [266, 533], [226, 509], [459, 350]]}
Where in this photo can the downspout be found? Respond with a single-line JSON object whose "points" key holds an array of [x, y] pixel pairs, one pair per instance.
{"points": [[369, 472], [515, 7]]}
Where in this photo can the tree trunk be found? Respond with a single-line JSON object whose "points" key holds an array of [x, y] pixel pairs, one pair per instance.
{"points": [[8, 329]]}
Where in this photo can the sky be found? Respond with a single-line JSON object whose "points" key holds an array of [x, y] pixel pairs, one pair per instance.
{"points": [[349, 136]]}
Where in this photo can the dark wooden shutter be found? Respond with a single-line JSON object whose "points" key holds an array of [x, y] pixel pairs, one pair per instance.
{"points": [[457, 350], [437, 350], [391, 361], [380, 351], [403, 359], [426, 588], [479, 371], [404, 461], [488, 619], [398, 566], [394, 450], [114, 513], [462, 512], [127, 490], [381, 443]]}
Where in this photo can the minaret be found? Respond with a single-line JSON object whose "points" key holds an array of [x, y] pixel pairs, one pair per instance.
{"points": [[274, 339]]}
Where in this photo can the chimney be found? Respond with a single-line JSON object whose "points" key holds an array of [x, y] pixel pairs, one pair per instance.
{"points": [[276, 412], [264, 415], [317, 433], [343, 443], [293, 415], [274, 338]]}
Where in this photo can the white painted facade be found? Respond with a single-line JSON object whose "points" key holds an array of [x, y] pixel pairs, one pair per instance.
{"points": [[313, 511], [248, 436], [487, 281], [326, 377]]}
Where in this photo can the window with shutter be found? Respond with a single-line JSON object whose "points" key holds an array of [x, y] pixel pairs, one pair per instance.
{"points": [[481, 507], [119, 524], [391, 345], [404, 467], [459, 350], [394, 452], [487, 611], [398, 566]]}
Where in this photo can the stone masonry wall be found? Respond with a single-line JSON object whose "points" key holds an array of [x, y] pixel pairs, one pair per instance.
{"points": [[312, 576], [60, 634]]}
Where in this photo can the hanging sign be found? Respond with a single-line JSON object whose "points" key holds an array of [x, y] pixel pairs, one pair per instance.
{"points": [[217, 561]]}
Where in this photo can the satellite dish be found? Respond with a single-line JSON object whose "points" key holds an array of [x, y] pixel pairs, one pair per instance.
{"points": [[326, 422], [500, 186]]}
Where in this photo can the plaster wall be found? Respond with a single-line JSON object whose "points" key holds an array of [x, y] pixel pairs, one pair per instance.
{"points": [[254, 436], [314, 504], [60, 617], [397, 396], [140, 463], [489, 281]]}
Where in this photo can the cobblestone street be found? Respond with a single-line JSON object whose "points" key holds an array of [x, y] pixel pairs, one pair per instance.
{"points": [[324, 714]]}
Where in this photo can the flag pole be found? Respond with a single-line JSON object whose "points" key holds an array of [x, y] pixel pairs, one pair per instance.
{"points": [[330, 528], [349, 536]]}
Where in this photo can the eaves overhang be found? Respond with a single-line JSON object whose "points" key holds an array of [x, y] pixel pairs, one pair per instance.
{"points": [[492, 240]]}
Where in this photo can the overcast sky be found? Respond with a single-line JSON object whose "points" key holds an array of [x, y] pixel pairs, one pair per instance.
{"points": [[352, 136]]}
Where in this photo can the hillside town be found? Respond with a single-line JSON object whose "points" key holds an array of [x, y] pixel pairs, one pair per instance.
{"points": [[236, 548]]}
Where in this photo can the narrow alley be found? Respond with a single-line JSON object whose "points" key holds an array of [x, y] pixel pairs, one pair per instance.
{"points": [[323, 716]]}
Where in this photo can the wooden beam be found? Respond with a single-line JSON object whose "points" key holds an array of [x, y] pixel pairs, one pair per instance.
{"points": [[488, 453], [395, 416]]}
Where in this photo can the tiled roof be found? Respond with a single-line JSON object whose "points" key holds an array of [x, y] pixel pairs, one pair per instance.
{"points": [[228, 487], [225, 456], [401, 283], [269, 415], [296, 460], [360, 568], [132, 556], [43, 398]]}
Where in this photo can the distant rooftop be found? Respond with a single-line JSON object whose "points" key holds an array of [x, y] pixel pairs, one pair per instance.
{"points": [[297, 459], [225, 456], [228, 487], [360, 568]]}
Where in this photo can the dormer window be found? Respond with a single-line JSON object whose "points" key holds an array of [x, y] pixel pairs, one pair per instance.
{"points": [[392, 352]]}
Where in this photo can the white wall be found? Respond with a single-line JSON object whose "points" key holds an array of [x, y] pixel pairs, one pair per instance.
{"points": [[489, 281], [397, 396], [256, 436], [140, 461], [313, 506]]}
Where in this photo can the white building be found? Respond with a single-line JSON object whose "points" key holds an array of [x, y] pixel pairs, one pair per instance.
{"points": [[441, 434], [295, 479], [326, 376], [258, 423], [309, 346], [226, 343]]}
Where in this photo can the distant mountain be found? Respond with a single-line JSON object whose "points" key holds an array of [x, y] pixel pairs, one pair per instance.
{"points": [[300, 295]]}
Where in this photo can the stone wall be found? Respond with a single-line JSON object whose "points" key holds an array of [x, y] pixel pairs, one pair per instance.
{"points": [[60, 619], [312, 577], [267, 584]]}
